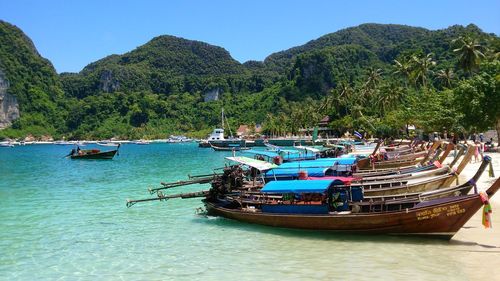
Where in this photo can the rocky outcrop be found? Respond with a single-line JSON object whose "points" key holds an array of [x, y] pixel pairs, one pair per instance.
{"points": [[108, 82], [9, 107], [211, 95]]}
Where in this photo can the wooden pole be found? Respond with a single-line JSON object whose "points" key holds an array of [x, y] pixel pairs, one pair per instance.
{"points": [[181, 183], [131, 202]]}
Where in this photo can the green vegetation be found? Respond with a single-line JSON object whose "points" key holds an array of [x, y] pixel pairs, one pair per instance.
{"points": [[34, 82], [436, 81], [374, 78]]}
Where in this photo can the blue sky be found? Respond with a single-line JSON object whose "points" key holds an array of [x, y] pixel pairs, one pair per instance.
{"points": [[73, 34]]}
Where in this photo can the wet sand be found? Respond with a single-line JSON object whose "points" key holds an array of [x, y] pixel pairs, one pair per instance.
{"points": [[476, 247]]}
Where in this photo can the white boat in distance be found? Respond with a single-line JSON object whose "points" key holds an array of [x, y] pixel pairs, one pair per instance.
{"points": [[107, 143], [141, 142], [6, 144], [63, 143], [178, 139]]}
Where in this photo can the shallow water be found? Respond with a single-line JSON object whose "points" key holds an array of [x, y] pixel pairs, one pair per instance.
{"points": [[66, 219]]}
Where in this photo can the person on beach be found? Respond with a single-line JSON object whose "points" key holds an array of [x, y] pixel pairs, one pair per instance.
{"points": [[489, 145], [478, 151], [454, 140]]}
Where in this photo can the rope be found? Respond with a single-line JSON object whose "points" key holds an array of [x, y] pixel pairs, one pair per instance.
{"points": [[473, 183]]}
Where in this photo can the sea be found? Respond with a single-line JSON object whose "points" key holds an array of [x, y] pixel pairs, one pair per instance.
{"points": [[63, 219]]}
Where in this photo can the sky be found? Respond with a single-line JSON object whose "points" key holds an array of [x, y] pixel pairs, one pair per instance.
{"points": [[72, 34]]}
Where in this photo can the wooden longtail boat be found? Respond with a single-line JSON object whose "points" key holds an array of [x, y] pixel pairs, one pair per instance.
{"points": [[411, 169], [92, 154], [440, 218], [407, 160], [433, 169], [418, 184], [411, 182], [440, 213], [354, 196], [228, 148], [415, 182], [404, 184]]}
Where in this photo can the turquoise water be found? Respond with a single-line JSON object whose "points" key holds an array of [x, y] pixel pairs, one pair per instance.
{"points": [[66, 219]]}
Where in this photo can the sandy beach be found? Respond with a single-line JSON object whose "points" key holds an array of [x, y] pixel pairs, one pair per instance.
{"points": [[477, 247]]}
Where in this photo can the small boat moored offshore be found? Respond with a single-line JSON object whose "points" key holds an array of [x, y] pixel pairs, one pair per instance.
{"points": [[92, 153], [229, 148]]}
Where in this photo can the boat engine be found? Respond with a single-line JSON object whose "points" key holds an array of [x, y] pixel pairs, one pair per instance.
{"points": [[231, 178]]}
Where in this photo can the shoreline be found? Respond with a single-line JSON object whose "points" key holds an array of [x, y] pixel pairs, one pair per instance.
{"points": [[479, 248]]}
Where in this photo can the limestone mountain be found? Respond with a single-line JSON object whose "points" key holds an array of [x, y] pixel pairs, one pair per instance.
{"points": [[161, 66], [29, 85], [387, 41]]}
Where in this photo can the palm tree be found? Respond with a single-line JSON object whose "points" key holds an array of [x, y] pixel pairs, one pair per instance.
{"points": [[337, 99], [330, 102], [369, 89], [389, 97], [298, 118], [470, 53], [403, 68], [283, 124], [423, 67], [345, 93], [374, 76], [270, 126], [445, 76]]}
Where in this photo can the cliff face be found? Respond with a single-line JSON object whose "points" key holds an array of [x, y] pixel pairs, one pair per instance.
{"points": [[9, 108], [30, 88]]}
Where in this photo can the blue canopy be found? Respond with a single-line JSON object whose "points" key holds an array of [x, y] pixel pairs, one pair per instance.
{"points": [[297, 156], [286, 155], [297, 186], [314, 168], [294, 172], [349, 160], [346, 161], [308, 164]]}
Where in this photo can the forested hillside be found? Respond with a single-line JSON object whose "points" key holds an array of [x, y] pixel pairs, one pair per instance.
{"points": [[33, 81], [374, 78], [161, 66]]}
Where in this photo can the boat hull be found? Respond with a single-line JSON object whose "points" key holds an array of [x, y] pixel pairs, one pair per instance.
{"points": [[229, 148], [100, 155], [442, 219], [223, 143], [364, 164], [420, 186]]}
